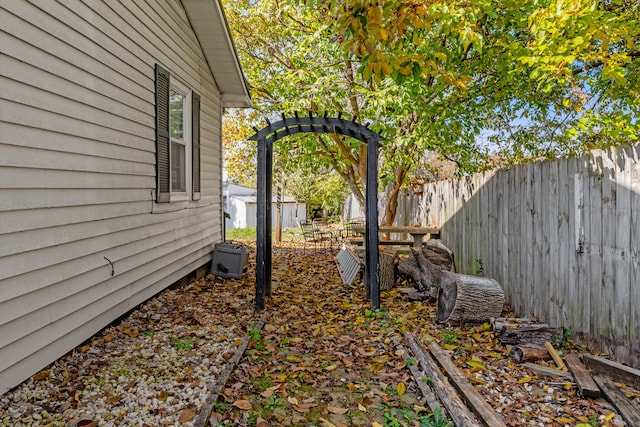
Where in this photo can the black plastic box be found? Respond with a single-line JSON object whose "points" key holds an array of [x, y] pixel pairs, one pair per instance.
{"points": [[229, 260]]}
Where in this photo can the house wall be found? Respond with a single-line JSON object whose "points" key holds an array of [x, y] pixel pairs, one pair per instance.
{"points": [[77, 171], [560, 236]]}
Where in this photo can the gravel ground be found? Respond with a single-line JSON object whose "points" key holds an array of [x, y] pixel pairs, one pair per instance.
{"points": [[156, 367]]}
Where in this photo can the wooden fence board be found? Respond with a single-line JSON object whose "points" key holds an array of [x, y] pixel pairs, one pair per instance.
{"points": [[585, 211], [552, 224], [621, 262]]}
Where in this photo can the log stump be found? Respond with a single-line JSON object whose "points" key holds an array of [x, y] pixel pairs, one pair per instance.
{"points": [[386, 270], [469, 298]]}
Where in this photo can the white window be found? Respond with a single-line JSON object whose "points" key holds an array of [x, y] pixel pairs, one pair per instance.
{"points": [[180, 133]]}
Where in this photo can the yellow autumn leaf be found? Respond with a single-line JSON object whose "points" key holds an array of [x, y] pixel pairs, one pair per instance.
{"points": [[610, 416], [568, 385], [292, 400], [401, 388], [449, 346], [293, 358], [477, 365], [564, 420], [361, 408], [523, 380], [330, 368], [375, 424]]}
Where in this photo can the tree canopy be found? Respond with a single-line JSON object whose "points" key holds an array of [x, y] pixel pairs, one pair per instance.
{"points": [[536, 78], [480, 83]]}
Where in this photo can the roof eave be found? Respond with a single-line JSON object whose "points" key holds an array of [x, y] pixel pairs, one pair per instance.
{"points": [[210, 26]]}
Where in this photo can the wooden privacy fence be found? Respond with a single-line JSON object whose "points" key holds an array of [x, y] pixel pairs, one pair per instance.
{"points": [[561, 236]]}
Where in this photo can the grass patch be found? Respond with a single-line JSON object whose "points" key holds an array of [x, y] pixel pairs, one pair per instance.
{"points": [[241, 233]]}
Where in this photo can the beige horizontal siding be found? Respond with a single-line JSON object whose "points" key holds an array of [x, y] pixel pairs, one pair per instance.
{"points": [[78, 171]]}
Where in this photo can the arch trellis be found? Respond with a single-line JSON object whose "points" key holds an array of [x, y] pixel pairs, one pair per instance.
{"points": [[314, 124]]}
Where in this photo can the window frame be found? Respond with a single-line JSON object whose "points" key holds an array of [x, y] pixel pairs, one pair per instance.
{"points": [[179, 88], [164, 84]]}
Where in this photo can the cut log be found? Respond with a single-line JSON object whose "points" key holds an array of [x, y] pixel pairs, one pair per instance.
{"points": [[523, 353], [526, 335], [515, 322], [457, 409], [468, 298], [386, 270], [586, 385], [427, 266]]}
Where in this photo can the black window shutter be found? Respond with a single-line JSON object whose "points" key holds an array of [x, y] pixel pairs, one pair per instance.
{"points": [[195, 145], [163, 151]]}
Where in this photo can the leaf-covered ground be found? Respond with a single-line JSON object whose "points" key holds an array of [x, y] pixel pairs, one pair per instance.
{"points": [[322, 358]]}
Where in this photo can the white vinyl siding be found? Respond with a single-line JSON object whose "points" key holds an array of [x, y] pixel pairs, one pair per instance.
{"points": [[78, 173]]}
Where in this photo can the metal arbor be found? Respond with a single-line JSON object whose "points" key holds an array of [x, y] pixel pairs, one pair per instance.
{"points": [[311, 124]]}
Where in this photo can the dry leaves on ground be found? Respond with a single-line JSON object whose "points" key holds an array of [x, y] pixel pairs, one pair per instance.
{"points": [[323, 357]]}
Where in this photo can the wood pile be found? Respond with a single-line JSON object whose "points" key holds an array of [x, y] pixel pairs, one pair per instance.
{"points": [[460, 297], [464, 405], [594, 376]]}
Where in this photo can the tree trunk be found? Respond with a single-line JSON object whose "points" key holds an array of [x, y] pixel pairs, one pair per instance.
{"points": [[469, 298]]}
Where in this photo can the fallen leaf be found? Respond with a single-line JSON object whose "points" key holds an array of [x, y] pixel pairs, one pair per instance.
{"points": [[42, 375], [187, 415], [325, 423], [337, 410], [610, 416], [292, 400], [400, 388], [242, 404], [361, 408], [523, 380]]}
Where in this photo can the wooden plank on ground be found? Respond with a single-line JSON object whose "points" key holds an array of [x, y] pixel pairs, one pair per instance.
{"points": [[550, 372], [616, 371], [627, 410], [483, 410], [457, 409], [586, 385], [555, 356], [216, 388], [430, 398]]}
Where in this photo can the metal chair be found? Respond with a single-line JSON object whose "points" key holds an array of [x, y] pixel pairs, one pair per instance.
{"points": [[313, 236]]}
